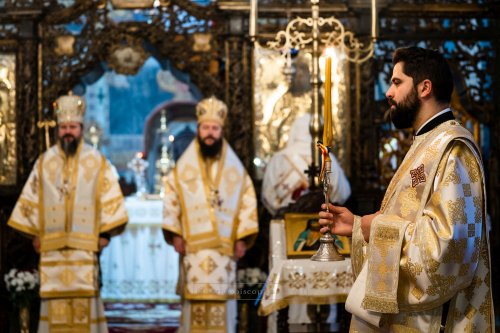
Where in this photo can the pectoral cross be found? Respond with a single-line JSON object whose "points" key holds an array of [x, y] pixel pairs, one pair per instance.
{"points": [[65, 189], [215, 199], [46, 124]]}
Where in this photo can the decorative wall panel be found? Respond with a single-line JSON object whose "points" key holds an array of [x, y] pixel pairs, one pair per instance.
{"points": [[8, 157]]}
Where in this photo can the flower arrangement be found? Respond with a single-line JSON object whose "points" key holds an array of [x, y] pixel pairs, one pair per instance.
{"points": [[251, 277], [23, 286], [250, 282]]}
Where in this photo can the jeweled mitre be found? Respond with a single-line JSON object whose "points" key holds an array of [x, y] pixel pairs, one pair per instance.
{"points": [[69, 108], [211, 109]]}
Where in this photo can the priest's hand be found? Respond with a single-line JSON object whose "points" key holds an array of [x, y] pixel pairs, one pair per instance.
{"points": [[339, 219], [36, 244], [103, 242], [179, 245], [240, 248]]}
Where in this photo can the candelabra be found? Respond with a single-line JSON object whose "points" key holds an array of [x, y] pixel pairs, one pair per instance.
{"points": [[165, 163], [313, 33], [138, 165]]}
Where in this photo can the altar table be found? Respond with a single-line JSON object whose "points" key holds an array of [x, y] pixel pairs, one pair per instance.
{"points": [[138, 265]]}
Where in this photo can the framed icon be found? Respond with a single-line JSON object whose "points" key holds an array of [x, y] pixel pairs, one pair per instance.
{"points": [[303, 236]]}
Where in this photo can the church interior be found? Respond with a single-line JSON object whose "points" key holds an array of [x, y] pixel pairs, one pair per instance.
{"points": [[142, 66]]}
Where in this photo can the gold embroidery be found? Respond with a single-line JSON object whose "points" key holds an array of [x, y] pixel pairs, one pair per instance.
{"points": [[464, 269], [81, 311], [387, 234], [67, 277], [485, 308], [472, 168], [34, 185], [89, 277], [456, 211], [26, 209], [59, 310], [441, 284], [470, 327], [320, 280], [469, 292], [198, 315], [106, 185], [412, 269], [380, 305], [51, 166], [342, 280], [232, 179], [470, 312], [453, 176], [477, 249], [417, 292], [456, 251], [487, 280], [111, 206], [431, 152], [478, 205], [467, 190], [409, 202], [207, 289], [208, 265], [471, 230], [217, 315], [381, 285], [188, 177], [433, 265], [89, 165], [297, 280]]}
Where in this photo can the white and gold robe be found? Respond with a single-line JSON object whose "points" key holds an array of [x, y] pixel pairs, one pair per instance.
{"points": [[67, 203], [429, 245], [211, 205]]}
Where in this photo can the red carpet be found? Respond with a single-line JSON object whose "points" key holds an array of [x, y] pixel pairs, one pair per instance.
{"points": [[142, 317]]}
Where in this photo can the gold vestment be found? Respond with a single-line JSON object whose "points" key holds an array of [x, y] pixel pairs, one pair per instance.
{"points": [[429, 245], [67, 202]]}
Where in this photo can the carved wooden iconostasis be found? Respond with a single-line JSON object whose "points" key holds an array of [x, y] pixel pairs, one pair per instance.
{"points": [[48, 47]]}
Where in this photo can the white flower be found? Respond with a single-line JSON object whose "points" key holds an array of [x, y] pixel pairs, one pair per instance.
{"points": [[12, 273]]}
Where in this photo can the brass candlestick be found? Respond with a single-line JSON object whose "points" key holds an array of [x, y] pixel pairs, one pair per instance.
{"points": [[327, 250]]}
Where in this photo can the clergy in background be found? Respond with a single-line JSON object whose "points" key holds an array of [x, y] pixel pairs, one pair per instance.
{"points": [[422, 262], [285, 179], [69, 206], [210, 217]]}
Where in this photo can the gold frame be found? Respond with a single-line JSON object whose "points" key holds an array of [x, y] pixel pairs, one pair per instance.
{"points": [[8, 148], [295, 223]]}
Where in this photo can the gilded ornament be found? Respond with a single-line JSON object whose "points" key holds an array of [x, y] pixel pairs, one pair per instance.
{"points": [[127, 58], [65, 45]]}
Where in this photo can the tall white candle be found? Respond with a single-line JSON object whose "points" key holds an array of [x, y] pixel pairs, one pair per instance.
{"points": [[374, 19], [253, 18]]}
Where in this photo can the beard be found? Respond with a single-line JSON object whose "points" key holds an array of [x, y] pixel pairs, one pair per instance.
{"points": [[210, 150], [69, 146], [403, 114]]}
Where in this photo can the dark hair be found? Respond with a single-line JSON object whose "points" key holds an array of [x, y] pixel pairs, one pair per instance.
{"points": [[421, 64]]}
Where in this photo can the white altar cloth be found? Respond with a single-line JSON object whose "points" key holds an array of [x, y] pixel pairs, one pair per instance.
{"points": [[138, 265], [302, 281]]}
